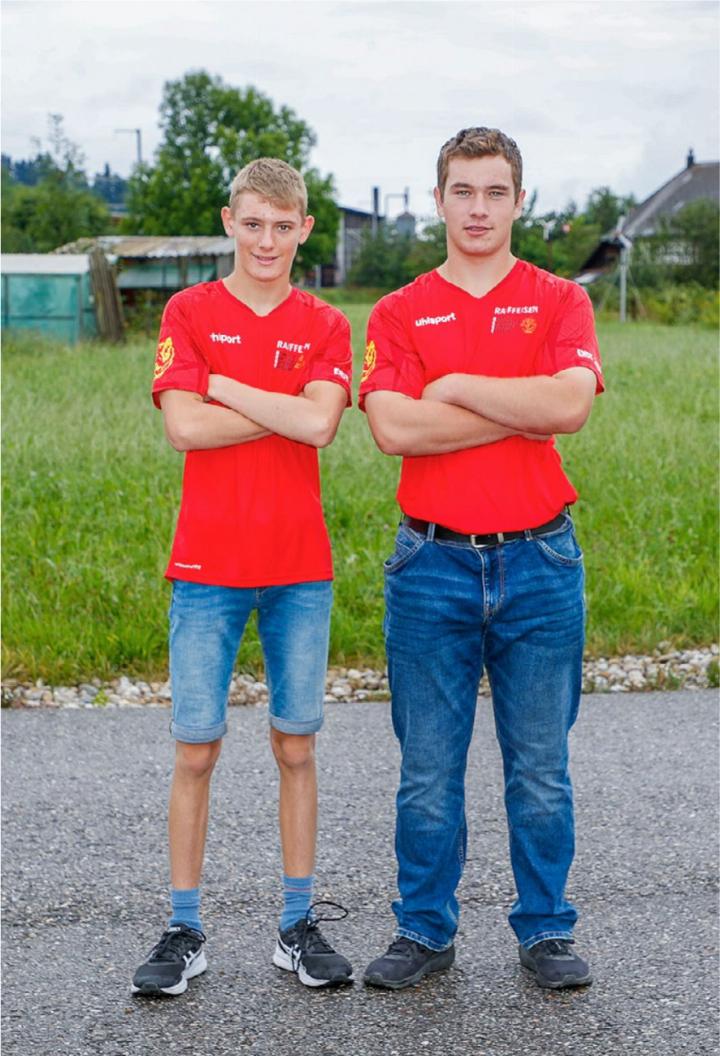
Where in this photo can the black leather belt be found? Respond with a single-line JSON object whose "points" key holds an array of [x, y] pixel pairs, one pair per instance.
{"points": [[491, 539]]}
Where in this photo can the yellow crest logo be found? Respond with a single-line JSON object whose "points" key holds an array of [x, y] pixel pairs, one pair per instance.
{"points": [[165, 356], [369, 361], [528, 326]]}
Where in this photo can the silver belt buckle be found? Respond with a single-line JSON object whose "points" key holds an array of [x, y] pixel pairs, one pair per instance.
{"points": [[499, 538]]}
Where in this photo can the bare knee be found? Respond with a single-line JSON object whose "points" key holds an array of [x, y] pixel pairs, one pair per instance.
{"points": [[293, 751], [196, 760]]}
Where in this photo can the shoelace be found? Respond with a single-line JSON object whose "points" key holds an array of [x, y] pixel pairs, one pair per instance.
{"points": [[557, 947], [312, 939], [400, 947], [172, 942]]}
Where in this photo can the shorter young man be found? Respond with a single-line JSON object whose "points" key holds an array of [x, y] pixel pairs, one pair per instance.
{"points": [[252, 376]]}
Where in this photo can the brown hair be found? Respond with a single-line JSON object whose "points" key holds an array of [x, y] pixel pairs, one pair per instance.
{"points": [[480, 143], [274, 180]]}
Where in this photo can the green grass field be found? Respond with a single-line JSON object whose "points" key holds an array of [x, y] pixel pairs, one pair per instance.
{"points": [[91, 490]]}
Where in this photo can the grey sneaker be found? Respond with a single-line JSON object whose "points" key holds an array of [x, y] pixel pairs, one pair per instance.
{"points": [[555, 965], [405, 963]]}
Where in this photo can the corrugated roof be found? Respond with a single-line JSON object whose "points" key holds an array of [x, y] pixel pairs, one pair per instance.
{"points": [[43, 264], [155, 246]]}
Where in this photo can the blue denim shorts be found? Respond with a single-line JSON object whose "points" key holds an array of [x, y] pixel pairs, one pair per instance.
{"points": [[206, 627]]}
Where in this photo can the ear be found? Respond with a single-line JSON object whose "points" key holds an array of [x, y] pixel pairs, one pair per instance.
{"points": [[519, 205], [228, 221], [307, 226], [439, 203]]}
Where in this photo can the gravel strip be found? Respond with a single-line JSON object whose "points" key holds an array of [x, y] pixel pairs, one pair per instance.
{"points": [[681, 669]]}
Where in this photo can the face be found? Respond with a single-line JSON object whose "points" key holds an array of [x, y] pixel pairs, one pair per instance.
{"points": [[266, 236], [479, 205]]}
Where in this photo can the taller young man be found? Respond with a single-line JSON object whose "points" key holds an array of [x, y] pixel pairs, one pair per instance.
{"points": [[252, 376], [469, 371]]}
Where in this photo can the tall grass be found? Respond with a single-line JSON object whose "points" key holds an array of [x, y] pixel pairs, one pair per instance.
{"points": [[91, 490]]}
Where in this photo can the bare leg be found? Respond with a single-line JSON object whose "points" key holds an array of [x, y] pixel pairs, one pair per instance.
{"points": [[188, 812], [295, 756]]}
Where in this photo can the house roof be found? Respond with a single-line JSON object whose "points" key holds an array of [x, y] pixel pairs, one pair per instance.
{"points": [[154, 246], [698, 180], [43, 264]]}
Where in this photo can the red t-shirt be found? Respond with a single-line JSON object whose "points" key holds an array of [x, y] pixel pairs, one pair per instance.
{"points": [[251, 514], [531, 323]]}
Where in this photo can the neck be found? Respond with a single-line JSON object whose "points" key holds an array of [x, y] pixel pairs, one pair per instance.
{"points": [[477, 275], [262, 297]]}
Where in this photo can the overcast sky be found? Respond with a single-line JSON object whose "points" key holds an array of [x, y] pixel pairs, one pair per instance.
{"points": [[595, 93]]}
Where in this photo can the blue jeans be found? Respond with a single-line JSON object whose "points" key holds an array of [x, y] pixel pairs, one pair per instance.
{"points": [[517, 610], [206, 625]]}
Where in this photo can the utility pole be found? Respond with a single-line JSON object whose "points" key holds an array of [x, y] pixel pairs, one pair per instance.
{"points": [[625, 247], [138, 140]]}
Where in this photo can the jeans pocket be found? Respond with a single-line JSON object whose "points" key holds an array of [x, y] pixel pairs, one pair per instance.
{"points": [[561, 548], [407, 544]]}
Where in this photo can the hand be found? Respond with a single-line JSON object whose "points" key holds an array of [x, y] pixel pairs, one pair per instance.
{"points": [[441, 389], [213, 385]]}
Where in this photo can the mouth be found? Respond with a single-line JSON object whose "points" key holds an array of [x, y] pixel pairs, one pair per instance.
{"points": [[266, 261], [478, 229]]}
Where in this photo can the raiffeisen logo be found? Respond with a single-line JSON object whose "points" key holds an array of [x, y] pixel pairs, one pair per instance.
{"points": [[226, 339], [434, 320], [517, 309]]}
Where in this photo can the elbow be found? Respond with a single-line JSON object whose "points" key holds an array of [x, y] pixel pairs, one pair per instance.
{"points": [[572, 421], [388, 441], [323, 432], [179, 438]]}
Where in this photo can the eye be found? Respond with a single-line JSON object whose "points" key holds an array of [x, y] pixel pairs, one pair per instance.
{"points": [[251, 225]]}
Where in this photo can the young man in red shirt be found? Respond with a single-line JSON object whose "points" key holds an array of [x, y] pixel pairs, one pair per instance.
{"points": [[469, 372], [252, 376]]}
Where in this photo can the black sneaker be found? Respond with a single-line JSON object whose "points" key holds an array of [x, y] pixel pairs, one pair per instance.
{"points": [[405, 963], [303, 949], [176, 958], [555, 965]]}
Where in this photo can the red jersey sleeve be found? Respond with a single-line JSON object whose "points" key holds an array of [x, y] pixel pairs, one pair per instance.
{"points": [[178, 362], [571, 340], [391, 361], [333, 359]]}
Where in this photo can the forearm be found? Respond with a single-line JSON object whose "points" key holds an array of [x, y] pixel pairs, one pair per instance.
{"points": [[539, 404], [428, 427], [295, 417], [204, 426]]}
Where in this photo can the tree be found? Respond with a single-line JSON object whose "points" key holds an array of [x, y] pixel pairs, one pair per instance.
{"points": [[59, 208], [210, 130], [605, 208]]}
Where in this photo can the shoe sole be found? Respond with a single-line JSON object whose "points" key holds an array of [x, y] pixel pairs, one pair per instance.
{"points": [[441, 963], [198, 966], [281, 959], [565, 983]]}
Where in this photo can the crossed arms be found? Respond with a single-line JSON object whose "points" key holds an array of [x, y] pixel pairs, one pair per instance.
{"points": [[248, 414], [458, 411]]}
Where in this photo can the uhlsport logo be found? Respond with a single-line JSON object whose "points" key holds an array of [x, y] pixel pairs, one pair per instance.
{"points": [[435, 320], [226, 339], [369, 361], [164, 357]]}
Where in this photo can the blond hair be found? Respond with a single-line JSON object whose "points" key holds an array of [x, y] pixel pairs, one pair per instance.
{"points": [[274, 180], [480, 143]]}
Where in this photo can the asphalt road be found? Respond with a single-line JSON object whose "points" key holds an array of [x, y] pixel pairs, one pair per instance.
{"points": [[85, 892]]}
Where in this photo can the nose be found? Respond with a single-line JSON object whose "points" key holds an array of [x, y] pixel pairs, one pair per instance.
{"points": [[266, 237], [479, 206]]}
